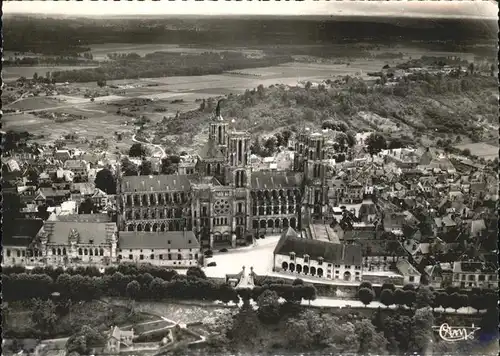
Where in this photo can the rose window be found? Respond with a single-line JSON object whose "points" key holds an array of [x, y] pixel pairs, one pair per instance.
{"points": [[222, 207]]}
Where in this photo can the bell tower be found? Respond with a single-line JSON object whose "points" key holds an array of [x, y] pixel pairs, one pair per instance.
{"points": [[238, 159], [218, 130]]}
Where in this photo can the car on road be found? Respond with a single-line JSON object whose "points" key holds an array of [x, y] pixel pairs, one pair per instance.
{"points": [[212, 264], [223, 250]]}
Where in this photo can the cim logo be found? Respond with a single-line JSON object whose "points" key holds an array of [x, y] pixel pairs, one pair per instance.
{"points": [[452, 334]]}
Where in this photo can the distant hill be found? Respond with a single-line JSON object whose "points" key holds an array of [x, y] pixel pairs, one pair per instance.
{"points": [[25, 33], [432, 109]]}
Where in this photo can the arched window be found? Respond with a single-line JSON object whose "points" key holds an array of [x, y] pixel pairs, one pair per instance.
{"points": [[85, 252], [299, 268], [53, 251], [80, 252], [284, 265], [96, 252], [270, 224], [59, 252], [64, 251], [91, 252], [101, 252]]}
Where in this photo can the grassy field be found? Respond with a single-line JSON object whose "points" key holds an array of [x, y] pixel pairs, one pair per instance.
{"points": [[100, 51], [481, 149], [35, 103]]}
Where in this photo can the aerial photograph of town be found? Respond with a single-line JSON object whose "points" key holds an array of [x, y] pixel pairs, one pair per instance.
{"points": [[282, 178]]}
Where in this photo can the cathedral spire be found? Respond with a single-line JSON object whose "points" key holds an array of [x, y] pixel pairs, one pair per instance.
{"points": [[217, 110]]}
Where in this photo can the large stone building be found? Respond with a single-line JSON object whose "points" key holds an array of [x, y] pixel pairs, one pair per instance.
{"points": [[225, 202], [317, 258]]}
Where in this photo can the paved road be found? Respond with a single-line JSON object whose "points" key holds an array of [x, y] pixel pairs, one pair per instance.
{"points": [[163, 153]]}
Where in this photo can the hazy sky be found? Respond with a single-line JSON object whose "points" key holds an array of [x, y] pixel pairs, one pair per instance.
{"points": [[426, 8]]}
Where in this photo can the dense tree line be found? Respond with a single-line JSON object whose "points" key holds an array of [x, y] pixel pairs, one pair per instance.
{"points": [[412, 297], [136, 282], [53, 60], [162, 64]]}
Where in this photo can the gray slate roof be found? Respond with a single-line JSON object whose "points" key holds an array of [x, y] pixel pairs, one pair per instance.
{"points": [[330, 252], [160, 240], [156, 183], [268, 180], [59, 231]]}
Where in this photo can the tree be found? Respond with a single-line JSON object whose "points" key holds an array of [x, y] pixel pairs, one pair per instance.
{"points": [[196, 272], [466, 152], [395, 143], [399, 298], [387, 297], [424, 298], [87, 207], [366, 295], [476, 300], [409, 297], [365, 285], [105, 181], [350, 138], [44, 314], [286, 134], [375, 143], [269, 307], [389, 286], [146, 168], [129, 168], [409, 286], [370, 341], [310, 330], [169, 164], [422, 334], [245, 326], [85, 339], [298, 282], [133, 289], [101, 83], [137, 150], [270, 146], [279, 139], [455, 301]]}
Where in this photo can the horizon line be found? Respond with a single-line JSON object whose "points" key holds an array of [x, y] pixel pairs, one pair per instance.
{"points": [[204, 16]]}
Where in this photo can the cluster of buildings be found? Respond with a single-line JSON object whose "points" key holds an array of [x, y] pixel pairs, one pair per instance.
{"points": [[404, 214]]}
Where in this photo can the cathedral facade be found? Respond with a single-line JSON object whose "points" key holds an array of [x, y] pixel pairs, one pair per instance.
{"points": [[226, 203]]}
